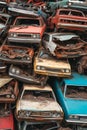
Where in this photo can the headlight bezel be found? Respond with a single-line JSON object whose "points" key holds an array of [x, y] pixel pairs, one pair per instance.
{"points": [[13, 34], [73, 116]]}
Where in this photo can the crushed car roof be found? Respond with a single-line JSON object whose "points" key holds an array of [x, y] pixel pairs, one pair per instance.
{"points": [[4, 81]]}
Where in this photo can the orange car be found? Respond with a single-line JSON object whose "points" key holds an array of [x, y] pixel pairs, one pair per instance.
{"points": [[27, 30], [68, 19]]}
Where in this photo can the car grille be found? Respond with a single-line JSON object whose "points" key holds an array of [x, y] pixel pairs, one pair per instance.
{"points": [[56, 70], [83, 118], [41, 114], [24, 35]]}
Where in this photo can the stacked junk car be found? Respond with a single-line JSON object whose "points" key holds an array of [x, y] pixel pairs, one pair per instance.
{"points": [[43, 65]]}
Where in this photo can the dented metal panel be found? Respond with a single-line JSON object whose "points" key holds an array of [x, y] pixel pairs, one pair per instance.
{"points": [[38, 104], [16, 54]]}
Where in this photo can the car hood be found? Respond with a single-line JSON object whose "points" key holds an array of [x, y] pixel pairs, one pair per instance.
{"points": [[39, 105], [4, 81], [26, 29], [2, 26], [53, 63], [6, 122], [76, 106], [65, 37]]}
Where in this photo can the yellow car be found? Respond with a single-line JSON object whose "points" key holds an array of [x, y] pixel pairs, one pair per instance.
{"points": [[46, 64]]}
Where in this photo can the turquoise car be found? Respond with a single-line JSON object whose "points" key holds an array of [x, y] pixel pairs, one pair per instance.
{"points": [[73, 4], [71, 93]]}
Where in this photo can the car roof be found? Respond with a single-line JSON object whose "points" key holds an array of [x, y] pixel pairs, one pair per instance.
{"points": [[36, 87], [68, 9], [76, 79], [5, 15], [28, 17]]}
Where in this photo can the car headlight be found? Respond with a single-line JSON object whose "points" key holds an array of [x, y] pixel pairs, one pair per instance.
{"points": [[63, 70], [38, 67], [69, 3], [42, 68], [67, 70], [17, 71], [34, 36], [27, 113], [73, 117], [13, 70], [21, 113], [13, 34], [56, 114], [13, 96], [38, 35], [28, 58]]}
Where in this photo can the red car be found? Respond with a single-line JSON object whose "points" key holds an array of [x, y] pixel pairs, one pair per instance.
{"points": [[68, 19], [6, 117], [27, 30]]}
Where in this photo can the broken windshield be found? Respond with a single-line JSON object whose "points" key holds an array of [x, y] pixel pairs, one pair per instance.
{"points": [[78, 92]]}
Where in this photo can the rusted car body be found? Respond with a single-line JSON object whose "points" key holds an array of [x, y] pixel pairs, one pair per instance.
{"points": [[39, 125], [65, 45], [68, 19], [38, 104], [27, 30], [16, 54], [5, 21], [20, 9], [82, 65], [76, 4], [36, 2], [24, 75], [8, 89], [6, 117], [45, 64], [2, 10]]}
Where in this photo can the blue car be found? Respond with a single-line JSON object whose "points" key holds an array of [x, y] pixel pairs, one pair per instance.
{"points": [[71, 93]]}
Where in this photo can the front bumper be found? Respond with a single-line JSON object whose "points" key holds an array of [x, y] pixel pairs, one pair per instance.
{"points": [[39, 119], [24, 40], [51, 73], [7, 100], [76, 121], [14, 61]]}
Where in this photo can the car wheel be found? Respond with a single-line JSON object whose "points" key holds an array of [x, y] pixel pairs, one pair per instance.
{"points": [[80, 69]]}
